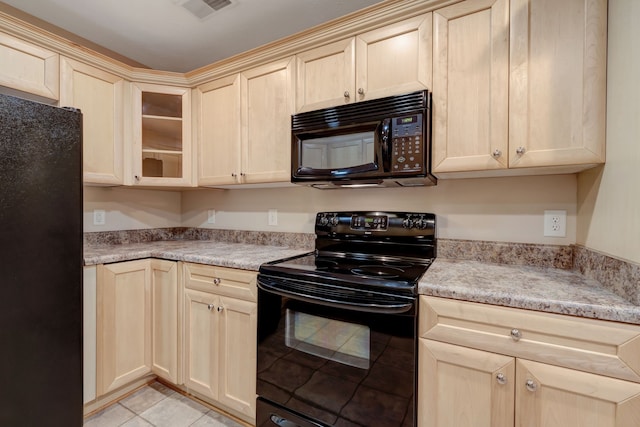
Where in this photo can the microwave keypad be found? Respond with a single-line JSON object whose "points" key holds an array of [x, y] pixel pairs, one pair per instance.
{"points": [[407, 155]]}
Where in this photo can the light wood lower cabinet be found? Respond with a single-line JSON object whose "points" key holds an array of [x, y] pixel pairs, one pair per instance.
{"points": [[463, 387], [520, 382], [165, 320], [220, 336], [123, 324]]}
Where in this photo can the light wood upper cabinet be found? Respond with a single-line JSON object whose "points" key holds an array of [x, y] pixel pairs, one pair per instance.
{"points": [[471, 86], [100, 97], [267, 105], [29, 68], [519, 86], [386, 61], [557, 99], [217, 124], [123, 324], [244, 125], [161, 136]]}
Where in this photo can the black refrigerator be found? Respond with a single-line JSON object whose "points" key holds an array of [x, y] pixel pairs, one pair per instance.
{"points": [[40, 264]]}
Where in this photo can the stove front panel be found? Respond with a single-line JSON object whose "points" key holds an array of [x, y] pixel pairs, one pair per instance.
{"points": [[332, 366]]}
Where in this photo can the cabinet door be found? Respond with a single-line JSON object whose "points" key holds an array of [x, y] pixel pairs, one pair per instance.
{"points": [[470, 86], [201, 338], [557, 95], [164, 319], [267, 105], [99, 95], [161, 142], [238, 329], [218, 124], [123, 324], [551, 396], [326, 76], [462, 387], [394, 59], [29, 68]]}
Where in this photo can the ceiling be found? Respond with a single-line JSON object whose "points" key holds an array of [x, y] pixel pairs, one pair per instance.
{"points": [[164, 35]]}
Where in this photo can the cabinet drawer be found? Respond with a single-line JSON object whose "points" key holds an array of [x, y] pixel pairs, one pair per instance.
{"points": [[221, 281], [597, 346]]}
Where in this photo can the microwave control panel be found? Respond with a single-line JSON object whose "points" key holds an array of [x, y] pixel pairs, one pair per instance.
{"points": [[407, 144]]}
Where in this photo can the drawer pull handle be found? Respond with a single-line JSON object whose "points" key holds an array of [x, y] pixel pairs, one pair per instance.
{"points": [[501, 378], [347, 94], [531, 385], [220, 308], [216, 280], [516, 334]]}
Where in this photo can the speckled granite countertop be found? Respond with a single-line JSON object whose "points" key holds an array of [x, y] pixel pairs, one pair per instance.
{"points": [[235, 255], [536, 288]]}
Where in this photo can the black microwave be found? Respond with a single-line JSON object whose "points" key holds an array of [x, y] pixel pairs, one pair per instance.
{"points": [[383, 142]]}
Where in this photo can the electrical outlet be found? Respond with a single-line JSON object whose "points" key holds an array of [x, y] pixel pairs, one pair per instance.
{"points": [[555, 223], [273, 217], [99, 217], [211, 216]]}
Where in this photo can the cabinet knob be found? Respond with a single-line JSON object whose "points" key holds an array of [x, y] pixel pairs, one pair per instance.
{"points": [[242, 174], [516, 334], [216, 280], [210, 307], [137, 177], [501, 378], [496, 153], [520, 151], [360, 91], [531, 385], [347, 94], [220, 308], [233, 174]]}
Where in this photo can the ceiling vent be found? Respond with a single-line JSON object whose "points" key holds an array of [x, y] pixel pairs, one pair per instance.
{"points": [[203, 8]]}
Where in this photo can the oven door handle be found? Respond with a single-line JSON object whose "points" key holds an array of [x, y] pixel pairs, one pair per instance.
{"points": [[391, 308]]}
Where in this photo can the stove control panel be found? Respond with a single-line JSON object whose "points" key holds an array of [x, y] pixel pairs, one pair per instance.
{"points": [[369, 222], [408, 224]]}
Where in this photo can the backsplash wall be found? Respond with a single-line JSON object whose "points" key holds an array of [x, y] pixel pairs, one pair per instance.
{"points": [[494, 209]]}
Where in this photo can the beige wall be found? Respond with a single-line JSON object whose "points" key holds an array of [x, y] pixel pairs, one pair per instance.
{"points": [[609, 197], [130, 209], [499, 209]]}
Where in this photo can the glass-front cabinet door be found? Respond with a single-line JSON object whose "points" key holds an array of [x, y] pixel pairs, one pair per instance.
{"points": [[162, 152]]}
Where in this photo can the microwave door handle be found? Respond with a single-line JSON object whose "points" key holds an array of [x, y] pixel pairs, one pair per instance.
{"points": [[385, 143]]}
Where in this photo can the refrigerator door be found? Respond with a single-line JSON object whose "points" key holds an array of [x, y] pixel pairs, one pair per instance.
{"points": [[40, 264]]}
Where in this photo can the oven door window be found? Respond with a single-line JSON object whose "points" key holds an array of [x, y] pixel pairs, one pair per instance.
{"points": [[342, 342]]}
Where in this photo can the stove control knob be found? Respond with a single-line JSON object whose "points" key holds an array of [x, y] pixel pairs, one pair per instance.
{"points": [[323, 220], [407, 223], [421, 223], [334, 221]]}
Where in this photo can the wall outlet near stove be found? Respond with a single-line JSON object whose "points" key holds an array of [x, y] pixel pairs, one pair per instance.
{"points": [[273, 217], [555, 223], [211, 216]]}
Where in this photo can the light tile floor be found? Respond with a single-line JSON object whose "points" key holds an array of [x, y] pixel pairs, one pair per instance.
{"points": [[156, 405]]}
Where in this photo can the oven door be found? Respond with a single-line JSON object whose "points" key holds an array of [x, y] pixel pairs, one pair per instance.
{"points": [[329, 365]]}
